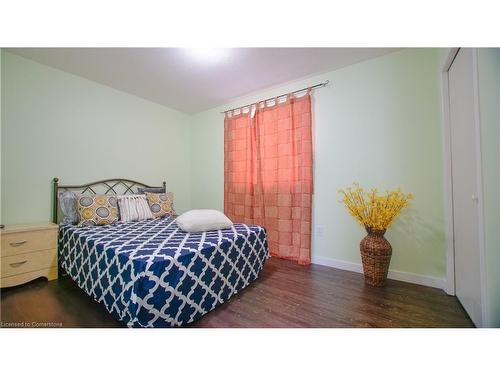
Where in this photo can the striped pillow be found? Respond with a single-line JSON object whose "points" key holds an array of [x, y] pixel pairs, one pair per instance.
{"points": [[133, 208]]}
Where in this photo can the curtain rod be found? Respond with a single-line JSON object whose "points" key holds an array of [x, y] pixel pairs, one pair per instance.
{"points": [[323, 84]]}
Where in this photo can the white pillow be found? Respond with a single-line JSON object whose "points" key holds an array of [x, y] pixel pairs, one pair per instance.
{"points": [[203, 220], [133, 208]]}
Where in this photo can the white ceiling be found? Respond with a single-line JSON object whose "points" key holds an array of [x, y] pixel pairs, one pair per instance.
{"points": [[180, 79]]}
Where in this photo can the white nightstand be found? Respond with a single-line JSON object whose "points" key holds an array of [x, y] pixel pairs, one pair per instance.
{"points": [[28, 252]]}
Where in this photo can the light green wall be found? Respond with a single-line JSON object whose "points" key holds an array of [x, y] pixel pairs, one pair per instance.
{"points": [[489, 106], [378, 123], [56, 124]]}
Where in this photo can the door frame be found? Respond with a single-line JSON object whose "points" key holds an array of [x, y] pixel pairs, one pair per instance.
{"points": [[448, 186]]}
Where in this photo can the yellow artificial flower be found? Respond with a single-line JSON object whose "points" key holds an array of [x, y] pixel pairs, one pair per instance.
{"points": [[372, 209]]}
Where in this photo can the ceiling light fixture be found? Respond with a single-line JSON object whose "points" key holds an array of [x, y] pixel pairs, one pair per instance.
{"points": [[209, 55]]}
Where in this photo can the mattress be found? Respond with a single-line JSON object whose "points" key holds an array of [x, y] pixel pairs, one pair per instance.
{"points": [[152, 274]]}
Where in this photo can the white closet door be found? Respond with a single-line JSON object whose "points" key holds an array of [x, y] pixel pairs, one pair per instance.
{"points": [[465, 189]]}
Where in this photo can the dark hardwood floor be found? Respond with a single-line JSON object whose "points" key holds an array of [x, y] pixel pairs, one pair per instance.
{"points": [[286, 295]]}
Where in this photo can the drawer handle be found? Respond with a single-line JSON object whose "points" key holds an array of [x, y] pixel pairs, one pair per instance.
{"points": [[18, 243], [17, 264]]}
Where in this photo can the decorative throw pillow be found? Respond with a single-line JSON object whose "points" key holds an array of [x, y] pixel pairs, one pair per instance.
{"points": [[97, 209], [67, 202], [150, 190], [161, 204], [133, 208]]}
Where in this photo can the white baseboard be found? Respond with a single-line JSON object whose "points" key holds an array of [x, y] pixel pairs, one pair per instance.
{"points": [[408, 277]]}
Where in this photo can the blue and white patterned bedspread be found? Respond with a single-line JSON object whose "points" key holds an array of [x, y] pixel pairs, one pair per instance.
{"points": [[152, 274]]}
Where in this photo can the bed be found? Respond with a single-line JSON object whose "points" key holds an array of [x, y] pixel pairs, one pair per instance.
{"points": [[152, 274]]}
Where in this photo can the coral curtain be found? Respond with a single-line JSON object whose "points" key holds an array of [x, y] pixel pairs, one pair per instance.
{"points": [[268, 177]]}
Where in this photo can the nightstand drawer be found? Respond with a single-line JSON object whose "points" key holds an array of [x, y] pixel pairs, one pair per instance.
{"points": [[23, 263], [25, 242]]}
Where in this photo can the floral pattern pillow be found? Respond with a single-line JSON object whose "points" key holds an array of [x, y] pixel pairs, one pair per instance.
{"points": [[161, 204], [97, 209]]}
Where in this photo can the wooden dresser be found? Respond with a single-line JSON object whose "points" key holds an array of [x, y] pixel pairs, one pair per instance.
{"points": [[28, 252]]}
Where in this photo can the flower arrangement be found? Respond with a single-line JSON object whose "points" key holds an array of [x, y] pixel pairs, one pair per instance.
{"points": [[374, 210]]}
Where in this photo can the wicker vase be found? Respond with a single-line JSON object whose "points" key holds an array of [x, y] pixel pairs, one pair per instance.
{"points": [[376, 254]]}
